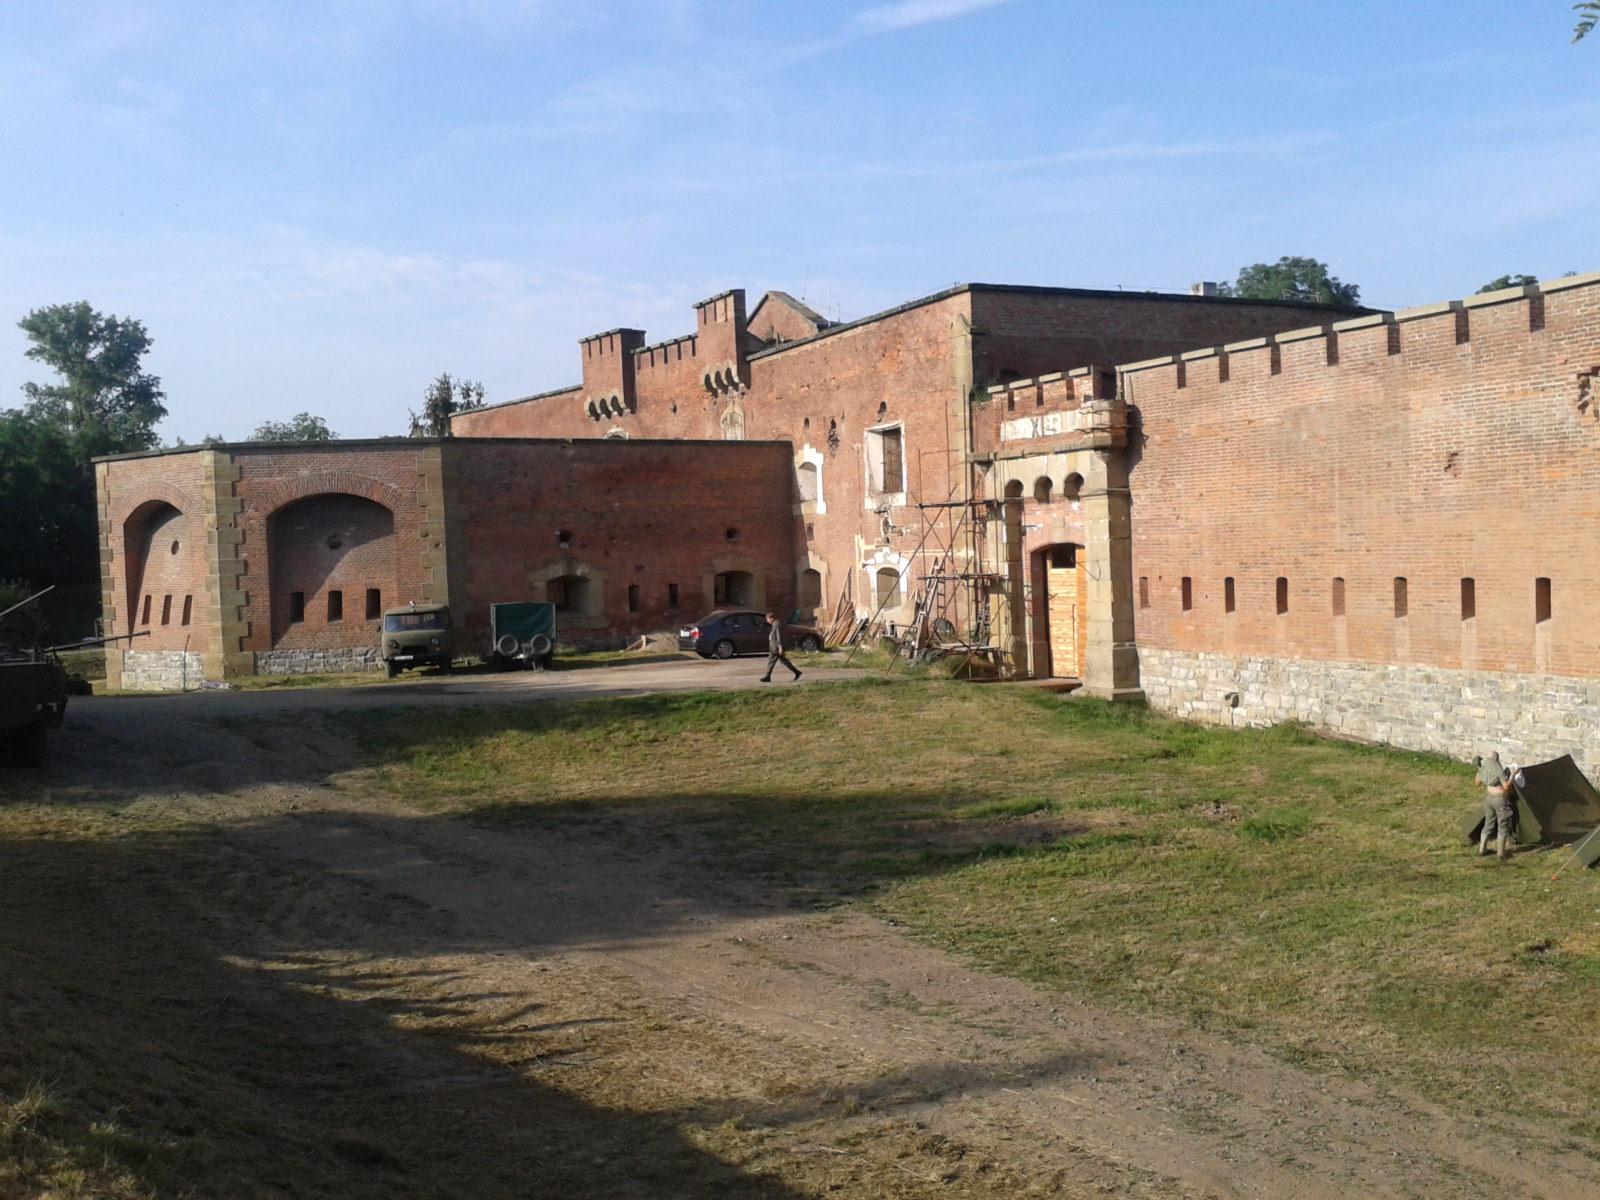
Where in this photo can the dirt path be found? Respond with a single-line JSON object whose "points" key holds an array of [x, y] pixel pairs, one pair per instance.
{"points": [[798, 1035]]}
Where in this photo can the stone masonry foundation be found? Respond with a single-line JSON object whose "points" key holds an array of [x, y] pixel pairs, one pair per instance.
{"points": [[318, 662], [1528, 718], [160, 670]]}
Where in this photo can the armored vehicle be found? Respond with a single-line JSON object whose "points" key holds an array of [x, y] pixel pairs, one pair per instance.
{"points": [[523, 631], [418, 635], [33, 699]]}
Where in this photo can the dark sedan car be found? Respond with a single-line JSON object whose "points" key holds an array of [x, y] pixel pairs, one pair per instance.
{"points": [[730, 631]]}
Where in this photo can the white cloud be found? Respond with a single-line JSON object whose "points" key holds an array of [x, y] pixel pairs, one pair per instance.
{"points": [[907, 14]]}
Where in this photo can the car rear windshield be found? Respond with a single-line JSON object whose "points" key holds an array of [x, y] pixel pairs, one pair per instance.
{"points": [[400, 622]]}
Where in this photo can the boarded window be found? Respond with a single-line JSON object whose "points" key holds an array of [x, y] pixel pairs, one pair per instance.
{"points": [[1469, 599], [1144, 591], [1281, 600], [890, 449], [810, 479], [1186, 593], [1337, 599], [1402, 599], [1541, 600], [888, 588], [1228, 603]]}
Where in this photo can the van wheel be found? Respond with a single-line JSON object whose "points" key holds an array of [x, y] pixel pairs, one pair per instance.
{"points": [[723, 649], [392, 669]]}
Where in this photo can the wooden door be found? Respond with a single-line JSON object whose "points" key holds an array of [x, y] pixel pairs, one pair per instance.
{"points": [[1064, 610]]}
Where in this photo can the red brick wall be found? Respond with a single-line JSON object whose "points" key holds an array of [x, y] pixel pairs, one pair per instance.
{"points": [[331, 551], [1454, 445], [639, 513], [285, 540], [154, 503], [1036, 332]]}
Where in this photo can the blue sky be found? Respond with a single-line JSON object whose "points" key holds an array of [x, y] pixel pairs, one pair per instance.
{"points": [[320, 206]]}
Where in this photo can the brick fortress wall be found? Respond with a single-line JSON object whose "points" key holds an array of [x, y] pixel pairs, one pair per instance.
{"points": [[279, 558], [835, 393], [1385, 525]]}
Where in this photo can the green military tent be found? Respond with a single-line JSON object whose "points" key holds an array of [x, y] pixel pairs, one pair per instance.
{"points": [[1555, 803]]}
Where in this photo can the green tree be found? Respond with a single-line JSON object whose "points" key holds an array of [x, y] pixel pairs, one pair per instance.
{"points": [[49, 533], [1588, 17], [1303, 279], [443, 398], [1508, 281], [106, 403], [302, 427]]}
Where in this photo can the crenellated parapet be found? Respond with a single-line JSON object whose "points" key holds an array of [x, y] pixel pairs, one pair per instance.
{"points": [[610, 386], [1067, 410], [1424, 337]]}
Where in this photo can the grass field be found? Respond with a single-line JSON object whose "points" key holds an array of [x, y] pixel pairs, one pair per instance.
{"points": [[1312, 893]]}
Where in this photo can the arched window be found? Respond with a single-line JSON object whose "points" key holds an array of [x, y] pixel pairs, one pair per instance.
{"points": [[1072, 487], [1041, 489], [810, 482], [1014, 490]]}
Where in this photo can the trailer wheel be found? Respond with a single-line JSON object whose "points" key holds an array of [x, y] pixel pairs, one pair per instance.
{"points": [[539, 645], [508, 645]]}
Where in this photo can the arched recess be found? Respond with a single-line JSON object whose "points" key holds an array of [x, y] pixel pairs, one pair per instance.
{"points": [[577, 589], [735, 581], [350, 483], [164, 578], [809, 586], [331, 561]]}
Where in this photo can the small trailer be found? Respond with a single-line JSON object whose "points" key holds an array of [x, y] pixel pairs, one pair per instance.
{"points": [[523, 631]]}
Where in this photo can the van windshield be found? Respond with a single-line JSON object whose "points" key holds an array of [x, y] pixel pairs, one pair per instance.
{"points": [[400, 622]]}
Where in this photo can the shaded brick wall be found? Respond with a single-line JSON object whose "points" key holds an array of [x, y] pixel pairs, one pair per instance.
{"points": [[1457, 443], [647, 515], [330, 556]]}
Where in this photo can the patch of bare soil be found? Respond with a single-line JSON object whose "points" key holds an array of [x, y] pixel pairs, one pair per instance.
{"points": [[326, 993]]}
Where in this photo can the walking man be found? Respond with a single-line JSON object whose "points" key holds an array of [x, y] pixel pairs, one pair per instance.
{"points": [[775, 654], [1499, 815]]}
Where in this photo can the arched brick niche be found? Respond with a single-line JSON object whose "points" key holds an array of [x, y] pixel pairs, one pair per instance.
{"points": [[331, 570], [164, 577]]}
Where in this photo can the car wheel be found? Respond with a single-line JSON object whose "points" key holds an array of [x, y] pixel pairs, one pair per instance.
{"points": [[723, 649], [810, 643], [393, 669]]}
